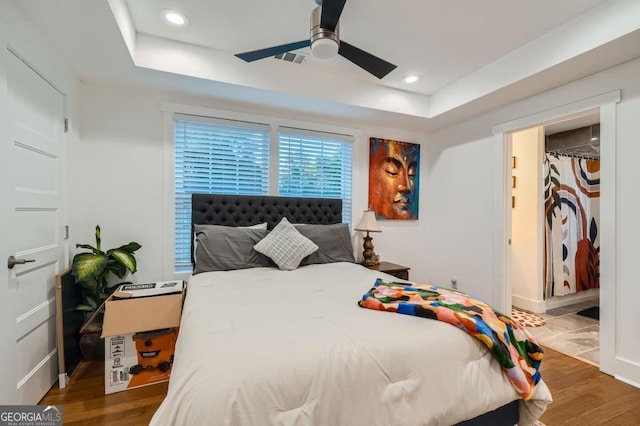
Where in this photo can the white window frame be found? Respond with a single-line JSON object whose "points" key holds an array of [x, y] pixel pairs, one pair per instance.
{"points": [[170, 109]]}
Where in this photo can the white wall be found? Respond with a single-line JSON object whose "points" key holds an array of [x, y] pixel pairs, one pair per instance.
{"points": [[116, 177], [526, 250], [455, 207], [464, 193]]}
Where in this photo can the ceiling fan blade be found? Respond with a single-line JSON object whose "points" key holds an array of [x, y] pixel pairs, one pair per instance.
{"points": [[272, 51], [368, 62], [331, 11]]}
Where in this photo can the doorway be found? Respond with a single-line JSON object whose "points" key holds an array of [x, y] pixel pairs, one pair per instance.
{"points": [[610, 363], [555, 215]]}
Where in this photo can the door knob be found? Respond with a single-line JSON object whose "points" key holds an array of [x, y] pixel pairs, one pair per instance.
{"points": [[12, 261]]}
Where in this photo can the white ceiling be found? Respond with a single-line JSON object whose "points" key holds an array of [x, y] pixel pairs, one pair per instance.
{"points": [[464, 50], [442, 40]]}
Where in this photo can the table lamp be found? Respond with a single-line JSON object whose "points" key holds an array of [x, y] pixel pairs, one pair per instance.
{"points": [[368, 224]]}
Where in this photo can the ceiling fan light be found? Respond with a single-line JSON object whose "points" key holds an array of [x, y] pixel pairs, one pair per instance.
{"points": [[324, 48]]}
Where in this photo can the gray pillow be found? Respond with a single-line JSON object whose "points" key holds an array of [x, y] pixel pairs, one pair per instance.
{"points": [[286, 246], [333, 241], [223, 248]]}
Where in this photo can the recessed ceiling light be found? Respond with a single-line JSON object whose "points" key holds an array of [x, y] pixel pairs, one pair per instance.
{"points": [[175, 18], [411, 78]]}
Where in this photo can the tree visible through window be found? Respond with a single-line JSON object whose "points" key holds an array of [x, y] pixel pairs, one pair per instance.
{"points": [[313, 164]]}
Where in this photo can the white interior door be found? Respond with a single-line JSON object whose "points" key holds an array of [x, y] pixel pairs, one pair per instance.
{"points": [[32, 148]]}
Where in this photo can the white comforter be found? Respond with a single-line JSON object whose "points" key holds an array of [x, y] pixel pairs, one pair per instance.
{"points": [[268, 347]]}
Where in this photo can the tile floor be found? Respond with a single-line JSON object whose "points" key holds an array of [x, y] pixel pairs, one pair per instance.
{"points": [[570, 333]]}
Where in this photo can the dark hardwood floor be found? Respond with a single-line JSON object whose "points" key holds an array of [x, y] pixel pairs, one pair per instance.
{"points": [[84, 401], [582, 396]]}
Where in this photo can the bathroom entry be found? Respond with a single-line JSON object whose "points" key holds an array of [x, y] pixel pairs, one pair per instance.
{"points": [[555, 231]]}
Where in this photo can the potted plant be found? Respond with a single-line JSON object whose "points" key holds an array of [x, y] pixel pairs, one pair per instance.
{"points": [[93, 269]]}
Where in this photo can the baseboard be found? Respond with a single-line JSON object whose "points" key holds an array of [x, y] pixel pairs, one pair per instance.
{"points": [[627, 381], [531, 305], [570, 299]]}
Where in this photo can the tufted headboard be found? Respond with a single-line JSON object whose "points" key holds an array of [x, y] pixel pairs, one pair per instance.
{"points": [[246, 210]]}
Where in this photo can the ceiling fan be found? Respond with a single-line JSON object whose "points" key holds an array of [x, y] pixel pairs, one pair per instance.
{"points": [[325, 42]]}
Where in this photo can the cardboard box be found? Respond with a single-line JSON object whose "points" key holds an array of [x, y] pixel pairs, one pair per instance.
{"points": [[126, 291], [140, 335]]}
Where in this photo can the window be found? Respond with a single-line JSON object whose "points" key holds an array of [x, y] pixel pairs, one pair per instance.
{"points": [[312, 164], [215, 156], [233, 157]]}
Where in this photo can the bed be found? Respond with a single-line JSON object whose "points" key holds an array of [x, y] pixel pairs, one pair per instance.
{"points": [[264, 346]]}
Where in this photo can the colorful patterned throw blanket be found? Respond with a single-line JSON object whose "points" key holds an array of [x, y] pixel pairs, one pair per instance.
{"points": [[518, 352]]}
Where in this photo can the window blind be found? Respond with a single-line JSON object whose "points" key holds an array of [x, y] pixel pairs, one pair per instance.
{"points": [[215, 156], [315, 164]]}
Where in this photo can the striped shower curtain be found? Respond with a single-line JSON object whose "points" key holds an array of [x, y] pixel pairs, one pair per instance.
{"points": [[572, 210]]}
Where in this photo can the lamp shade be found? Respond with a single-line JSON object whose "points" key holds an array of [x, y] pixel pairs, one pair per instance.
{"points": [[368, 222]]}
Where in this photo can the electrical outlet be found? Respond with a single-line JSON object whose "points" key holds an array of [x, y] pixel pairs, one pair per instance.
{"points": [[454, 283]]}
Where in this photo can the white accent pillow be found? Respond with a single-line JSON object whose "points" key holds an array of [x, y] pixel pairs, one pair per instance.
{"points": [[285, 246]]}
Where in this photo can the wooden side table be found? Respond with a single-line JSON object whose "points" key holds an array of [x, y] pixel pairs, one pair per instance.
{"points": [[396, 270]]}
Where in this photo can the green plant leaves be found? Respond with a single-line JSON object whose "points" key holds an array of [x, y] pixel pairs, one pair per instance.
{"points": [[89, 284], [90, 304], [131, 247], [92, 270], [125, 257], [117, 267], [88, 247], [84, 307], [88, 266], [98, 240]]}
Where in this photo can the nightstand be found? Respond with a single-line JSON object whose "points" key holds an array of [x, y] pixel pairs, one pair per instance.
{"points": [[397, 271]]}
